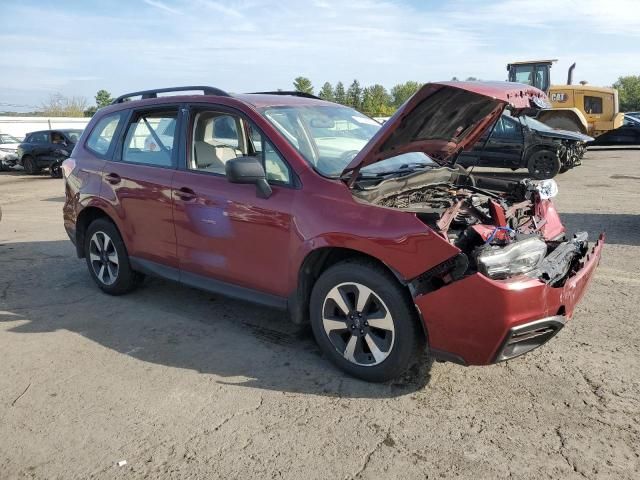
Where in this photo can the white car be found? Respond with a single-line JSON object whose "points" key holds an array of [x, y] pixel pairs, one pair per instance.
{"points": [[8, 151]]}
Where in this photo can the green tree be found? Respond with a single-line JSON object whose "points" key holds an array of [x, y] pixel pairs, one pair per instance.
{"points": [[326, 92], [628, 92], [402, 92], [367, 102], [339, 95], [471, 79], [303, 84], [354, 95], [381, 101], [103, 98]]}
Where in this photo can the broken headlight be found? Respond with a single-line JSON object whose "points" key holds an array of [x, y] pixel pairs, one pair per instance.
{"points": [[547, 189], [516, 258]]}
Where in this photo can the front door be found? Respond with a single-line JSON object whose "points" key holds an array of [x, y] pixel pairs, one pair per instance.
{"points": [[137, 183], [224, 231], [505, 145]]}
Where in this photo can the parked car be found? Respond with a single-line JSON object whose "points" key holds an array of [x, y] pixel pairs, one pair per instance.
{"points": [[8, 151], [46, 148], [525, 142], [626, 135], [367, 231]]}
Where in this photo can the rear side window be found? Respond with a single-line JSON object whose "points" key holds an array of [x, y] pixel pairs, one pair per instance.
{"points": [[102, 135], [150, 138], [592, 104]]}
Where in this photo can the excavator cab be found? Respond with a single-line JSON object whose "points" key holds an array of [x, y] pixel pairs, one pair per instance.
{"points": [[536, 73]]}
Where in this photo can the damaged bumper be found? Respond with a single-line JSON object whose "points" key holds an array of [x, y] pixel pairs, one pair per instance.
{"points": [[478, 321]]}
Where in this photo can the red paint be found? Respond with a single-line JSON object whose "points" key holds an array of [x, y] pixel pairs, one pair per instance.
{"points": [[228, 233]]}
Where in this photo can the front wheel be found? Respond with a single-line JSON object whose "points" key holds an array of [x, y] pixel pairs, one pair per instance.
{"points": [[543, 164], [364, 321], [107, 259]]}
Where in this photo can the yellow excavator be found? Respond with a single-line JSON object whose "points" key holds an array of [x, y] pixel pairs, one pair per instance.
{"points": [[578, 108]]}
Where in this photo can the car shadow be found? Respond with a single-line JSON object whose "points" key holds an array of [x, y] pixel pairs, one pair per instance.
{"points": [[620, 229], [175, 326]]}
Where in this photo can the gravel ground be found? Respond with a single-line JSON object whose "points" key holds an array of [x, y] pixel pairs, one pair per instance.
{"points": [[183, 384]]}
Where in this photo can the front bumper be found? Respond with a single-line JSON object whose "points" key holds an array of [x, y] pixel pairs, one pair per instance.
{"points": [[8, 159], [478, 321]]}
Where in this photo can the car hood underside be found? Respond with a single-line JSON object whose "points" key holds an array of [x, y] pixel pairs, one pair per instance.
{"points": [[442, 119]]}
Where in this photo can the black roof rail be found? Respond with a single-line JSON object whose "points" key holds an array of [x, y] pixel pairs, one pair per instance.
{"points": [[154, 93], [291, 93]]}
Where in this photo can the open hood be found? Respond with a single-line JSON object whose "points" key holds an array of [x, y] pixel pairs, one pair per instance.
{"points": [[442, 119]]}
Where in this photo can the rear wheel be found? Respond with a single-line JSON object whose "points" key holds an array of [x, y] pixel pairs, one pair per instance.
{"points": [[543, 164], [364, 321], [29, 165], [108, 260]]}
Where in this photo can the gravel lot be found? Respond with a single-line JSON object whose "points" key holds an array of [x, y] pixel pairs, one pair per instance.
{"points": [[183, 384]]}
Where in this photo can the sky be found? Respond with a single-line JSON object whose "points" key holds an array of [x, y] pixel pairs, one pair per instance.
{"points": [[78, 47]]}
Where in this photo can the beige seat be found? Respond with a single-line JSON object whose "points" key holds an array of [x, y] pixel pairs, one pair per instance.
{"points": [[210, 154]]}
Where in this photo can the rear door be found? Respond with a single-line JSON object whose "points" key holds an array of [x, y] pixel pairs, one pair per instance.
{"points": [[224, 231], [137, 183]]}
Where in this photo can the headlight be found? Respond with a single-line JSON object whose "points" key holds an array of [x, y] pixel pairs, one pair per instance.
{"points": [[547, 189], [516, 258]]}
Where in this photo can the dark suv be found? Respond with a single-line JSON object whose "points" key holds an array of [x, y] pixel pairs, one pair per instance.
{"points": [[46, 148], [368, 232]]}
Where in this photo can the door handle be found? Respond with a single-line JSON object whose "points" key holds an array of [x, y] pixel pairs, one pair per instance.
{"points": [[185, 194], [112, 178]]}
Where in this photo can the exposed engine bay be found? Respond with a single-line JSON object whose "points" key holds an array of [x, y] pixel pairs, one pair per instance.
{"points": [[503, 227]]}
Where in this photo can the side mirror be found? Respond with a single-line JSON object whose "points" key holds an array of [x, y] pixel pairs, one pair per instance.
{"points": [[248, 170]]}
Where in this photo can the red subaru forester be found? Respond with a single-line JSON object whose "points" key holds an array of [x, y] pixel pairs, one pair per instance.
{"points": [[368, 232]]}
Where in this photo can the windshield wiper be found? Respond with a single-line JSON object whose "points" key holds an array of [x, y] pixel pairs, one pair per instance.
{"points": [[403, 169]]}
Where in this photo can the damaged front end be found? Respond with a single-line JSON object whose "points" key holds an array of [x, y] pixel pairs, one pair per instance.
{"points": [[503, 228], [516, 279]]}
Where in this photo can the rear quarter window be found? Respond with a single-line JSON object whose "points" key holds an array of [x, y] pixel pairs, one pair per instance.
{"points": [[103, 134]]}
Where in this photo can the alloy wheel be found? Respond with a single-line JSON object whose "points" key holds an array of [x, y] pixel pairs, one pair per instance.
{"points": [[358, 324], [103, 257], [544, 164]]}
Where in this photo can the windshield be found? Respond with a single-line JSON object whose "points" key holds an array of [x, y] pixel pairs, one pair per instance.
{"points": [[535, 124], [4, 138], [329, 137], [73, 135]]}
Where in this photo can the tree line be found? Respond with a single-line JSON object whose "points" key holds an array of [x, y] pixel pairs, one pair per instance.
{"points": [[374, 100]]}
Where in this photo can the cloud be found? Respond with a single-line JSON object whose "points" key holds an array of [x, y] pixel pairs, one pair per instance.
{"points": [[162, 6], [248, 45]]}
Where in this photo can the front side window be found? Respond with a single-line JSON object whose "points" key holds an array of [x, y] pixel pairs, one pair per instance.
{"points": [[592, 105], [507, 128], [150, 138], [219, 137], [40, 137], [102, 135]]}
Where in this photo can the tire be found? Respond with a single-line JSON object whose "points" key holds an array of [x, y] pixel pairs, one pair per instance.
{"points": [[396, 337], [29, 165], [543, 164], [107, 259]]}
